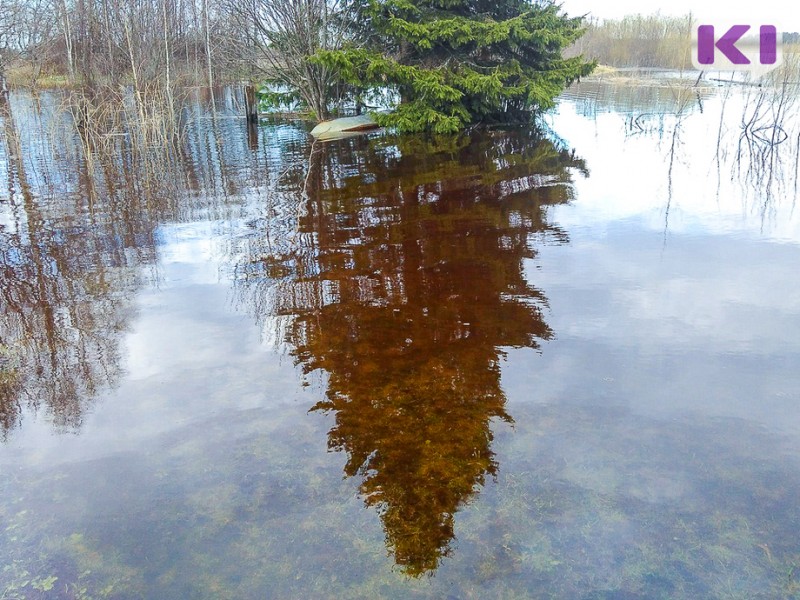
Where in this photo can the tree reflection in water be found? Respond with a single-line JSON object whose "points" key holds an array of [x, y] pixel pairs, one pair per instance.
{"points": [[405, 286], [78, 235], [66, 264]]}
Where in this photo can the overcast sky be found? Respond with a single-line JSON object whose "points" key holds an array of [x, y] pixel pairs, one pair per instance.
{"points": [[785, 14]]}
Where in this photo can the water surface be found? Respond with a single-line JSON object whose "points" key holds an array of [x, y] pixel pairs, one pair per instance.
{"points": [[557, 363]]}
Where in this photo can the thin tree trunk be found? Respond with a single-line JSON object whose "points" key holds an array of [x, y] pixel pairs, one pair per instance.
{"points": [[112, 67], [196, 30], [184, 18], [3, 83], [208, 48], [86, 60], [135, 75], [167, 58], [68, 41]]}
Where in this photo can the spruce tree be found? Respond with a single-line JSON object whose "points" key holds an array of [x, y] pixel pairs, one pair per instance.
{"points": [[455, 63]]}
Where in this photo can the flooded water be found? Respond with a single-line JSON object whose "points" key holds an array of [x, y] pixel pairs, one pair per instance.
{"points": [[559, 363]]}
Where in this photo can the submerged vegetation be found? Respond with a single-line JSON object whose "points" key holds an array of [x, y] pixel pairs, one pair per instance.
{"points": [[588, 502]]}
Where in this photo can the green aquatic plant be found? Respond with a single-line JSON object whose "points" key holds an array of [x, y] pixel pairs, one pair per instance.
{"points": [[9, 386], [8, 365], [101, 574]]}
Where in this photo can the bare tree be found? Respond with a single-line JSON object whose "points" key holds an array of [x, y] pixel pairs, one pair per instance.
{"points": [[9, 23], [26, 28], [91, 41], [285, 35], [36, 27]]}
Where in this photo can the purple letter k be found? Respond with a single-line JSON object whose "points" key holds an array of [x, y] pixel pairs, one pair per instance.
{"points": [[726, 44]]}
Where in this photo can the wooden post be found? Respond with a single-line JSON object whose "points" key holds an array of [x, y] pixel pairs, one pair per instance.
{"points": [[252, 135], [251, 104]]}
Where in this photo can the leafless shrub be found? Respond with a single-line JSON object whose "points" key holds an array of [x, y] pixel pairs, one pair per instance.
{"points": [[284, 35]]}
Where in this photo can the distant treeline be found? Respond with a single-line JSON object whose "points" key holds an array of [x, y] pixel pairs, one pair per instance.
{"points": [[646, 41]]}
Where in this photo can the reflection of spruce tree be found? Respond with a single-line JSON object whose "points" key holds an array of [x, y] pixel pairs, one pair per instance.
{"points": [[414, 282]]}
